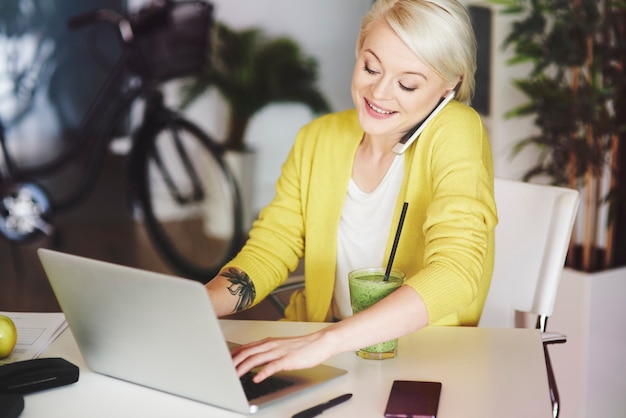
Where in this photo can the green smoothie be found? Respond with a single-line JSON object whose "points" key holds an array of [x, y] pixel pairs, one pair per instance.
{"points": [[367, 286]]}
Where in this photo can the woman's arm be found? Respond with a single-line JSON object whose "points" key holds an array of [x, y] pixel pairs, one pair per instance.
{"points": [[400, 313], [231, 291]]}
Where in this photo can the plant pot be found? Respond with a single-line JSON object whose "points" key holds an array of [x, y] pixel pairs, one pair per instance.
{"points": [[591, 311]]}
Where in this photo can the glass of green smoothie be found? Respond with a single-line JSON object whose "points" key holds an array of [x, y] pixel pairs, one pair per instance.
{"points": [[367, 286]]}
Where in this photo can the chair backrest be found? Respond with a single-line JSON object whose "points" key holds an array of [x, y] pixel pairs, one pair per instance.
{"points": [[532, 237]]}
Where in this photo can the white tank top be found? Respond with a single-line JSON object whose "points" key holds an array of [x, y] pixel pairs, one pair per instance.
{"points": [[363, 231]]}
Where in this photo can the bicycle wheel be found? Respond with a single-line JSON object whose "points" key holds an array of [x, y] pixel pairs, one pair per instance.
{"points": [[189, 200]]}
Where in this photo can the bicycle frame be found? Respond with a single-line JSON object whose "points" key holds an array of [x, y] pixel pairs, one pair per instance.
{"points": [[92, 136], [107, 109], [164, 145]]}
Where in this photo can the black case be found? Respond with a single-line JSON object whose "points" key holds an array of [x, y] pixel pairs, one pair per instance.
{"points": [[37, 374], [11, 405]]}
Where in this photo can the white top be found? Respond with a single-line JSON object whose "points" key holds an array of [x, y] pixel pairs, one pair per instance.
{"points": [[364, 228]]}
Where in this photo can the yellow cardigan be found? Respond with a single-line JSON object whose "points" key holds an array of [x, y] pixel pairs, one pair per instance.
{"points": [[447, 243]]}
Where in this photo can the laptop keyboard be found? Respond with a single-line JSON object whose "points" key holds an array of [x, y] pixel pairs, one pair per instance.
{"points": [[267, 386]]}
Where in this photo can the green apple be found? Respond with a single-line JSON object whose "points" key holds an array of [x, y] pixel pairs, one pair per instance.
{"points": [[8, 336]]}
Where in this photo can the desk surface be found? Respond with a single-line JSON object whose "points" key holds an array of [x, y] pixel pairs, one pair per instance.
{"points": [[485, 373]]}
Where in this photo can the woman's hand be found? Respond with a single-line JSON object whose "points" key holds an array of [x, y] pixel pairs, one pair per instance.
{"points": [[277, 354], [400, 313]]}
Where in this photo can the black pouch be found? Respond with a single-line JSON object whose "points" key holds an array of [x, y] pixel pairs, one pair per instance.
{"points": [[11, 405], [37, 374]]}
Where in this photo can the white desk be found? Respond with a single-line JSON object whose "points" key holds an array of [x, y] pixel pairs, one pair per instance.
{"points": [[485, 373]]}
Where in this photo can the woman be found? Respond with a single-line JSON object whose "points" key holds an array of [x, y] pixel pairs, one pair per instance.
{"points": [[342, 187]]}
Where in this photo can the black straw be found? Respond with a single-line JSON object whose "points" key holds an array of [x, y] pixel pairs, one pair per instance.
{"points": [[395, 241]]}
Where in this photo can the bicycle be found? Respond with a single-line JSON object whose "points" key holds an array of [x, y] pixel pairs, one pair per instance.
{"points": [[177, 177]]}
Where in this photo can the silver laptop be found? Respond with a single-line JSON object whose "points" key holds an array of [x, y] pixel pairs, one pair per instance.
{"points": [[158, 331]]}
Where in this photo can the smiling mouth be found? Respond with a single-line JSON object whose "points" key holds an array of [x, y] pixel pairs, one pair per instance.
{"points": [[378, 109]]}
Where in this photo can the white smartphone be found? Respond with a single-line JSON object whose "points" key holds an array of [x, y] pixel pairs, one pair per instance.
{"points": [[412, 135]]}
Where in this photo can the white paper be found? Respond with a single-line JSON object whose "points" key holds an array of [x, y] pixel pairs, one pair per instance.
{"points": [[35, 332]]}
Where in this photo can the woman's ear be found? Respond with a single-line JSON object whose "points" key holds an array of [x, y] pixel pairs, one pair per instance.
{"points": [[454, 87]]}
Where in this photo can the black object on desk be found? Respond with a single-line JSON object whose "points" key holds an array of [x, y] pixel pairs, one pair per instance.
{"points": [[413, 399], [11, 405], [318, 409], [37, 374]]}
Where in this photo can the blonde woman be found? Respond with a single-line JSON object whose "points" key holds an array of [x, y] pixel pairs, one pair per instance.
{"points": [[342, 187]]}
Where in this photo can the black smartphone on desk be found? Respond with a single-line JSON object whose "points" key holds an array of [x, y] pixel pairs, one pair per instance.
{"points": [[413, 399]]}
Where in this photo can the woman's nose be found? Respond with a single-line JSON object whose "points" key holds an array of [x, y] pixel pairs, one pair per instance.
{"points": [[381, 89]]}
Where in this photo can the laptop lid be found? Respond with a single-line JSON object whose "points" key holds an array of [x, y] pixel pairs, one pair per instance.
{"points": [[155, 330]]}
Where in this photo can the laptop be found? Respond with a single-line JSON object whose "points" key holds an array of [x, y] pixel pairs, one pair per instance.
{"points": [[158, 331]]}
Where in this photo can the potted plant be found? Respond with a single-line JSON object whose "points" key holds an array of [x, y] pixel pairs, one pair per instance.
{"points": [[576, 94], [251, 71]]}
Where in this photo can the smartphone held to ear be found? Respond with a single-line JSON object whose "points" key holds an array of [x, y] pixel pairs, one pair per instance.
{"points": [[413, 399], [412, 135]]}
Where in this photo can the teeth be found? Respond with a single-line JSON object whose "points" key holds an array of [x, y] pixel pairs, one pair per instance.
{"points": [[379, 110]]}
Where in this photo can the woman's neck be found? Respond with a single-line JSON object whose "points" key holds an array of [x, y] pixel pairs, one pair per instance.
{"points": [[371, 163]]}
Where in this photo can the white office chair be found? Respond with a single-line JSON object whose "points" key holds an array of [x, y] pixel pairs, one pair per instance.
{"points": [[532, 237]]}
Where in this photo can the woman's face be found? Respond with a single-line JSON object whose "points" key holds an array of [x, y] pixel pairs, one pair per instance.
{"points": [[391, 88]]}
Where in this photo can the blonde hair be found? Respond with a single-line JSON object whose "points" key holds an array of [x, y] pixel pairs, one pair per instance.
{"points": [[439, 32]]}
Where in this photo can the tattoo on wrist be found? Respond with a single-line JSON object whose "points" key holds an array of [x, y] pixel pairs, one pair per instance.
{"points": [[240, 286]]}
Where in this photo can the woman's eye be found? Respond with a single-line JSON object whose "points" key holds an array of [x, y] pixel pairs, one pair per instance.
{"points": [[405, 88], [369, 70]]}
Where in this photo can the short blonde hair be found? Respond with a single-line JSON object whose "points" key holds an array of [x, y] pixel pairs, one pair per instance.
{"points": [[439, 32]]}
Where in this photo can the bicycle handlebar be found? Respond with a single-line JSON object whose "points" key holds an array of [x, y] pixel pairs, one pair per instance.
{"points": [[145, 20], [103, 15], [87, 18], [149, 38]]}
